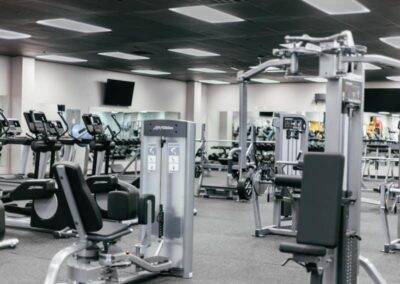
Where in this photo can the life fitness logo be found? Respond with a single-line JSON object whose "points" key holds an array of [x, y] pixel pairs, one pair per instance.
{"points": [[162, 127]]}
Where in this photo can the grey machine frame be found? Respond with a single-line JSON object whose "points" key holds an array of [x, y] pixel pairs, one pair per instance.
{"points": [[340, 62], [288, 153], [167, 173]]}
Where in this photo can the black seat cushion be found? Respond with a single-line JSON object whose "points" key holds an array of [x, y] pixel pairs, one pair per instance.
{"points": [[109, 231], [302, 249], [87, 206]]}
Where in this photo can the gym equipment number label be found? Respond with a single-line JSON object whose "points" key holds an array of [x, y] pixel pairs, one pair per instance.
{"points": [[173, 157], [151, 158]]}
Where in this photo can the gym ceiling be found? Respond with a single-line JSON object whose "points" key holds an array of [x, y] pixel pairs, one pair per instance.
{"points": [[148, 28]]}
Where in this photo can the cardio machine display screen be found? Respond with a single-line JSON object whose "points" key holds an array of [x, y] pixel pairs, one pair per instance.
{"points": [[14, 123], [39, 117], [15, 126], [96, 120]]}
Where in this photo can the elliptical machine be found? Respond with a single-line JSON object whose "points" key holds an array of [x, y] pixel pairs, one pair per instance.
{"points": [[45, 208], [109, 190]]}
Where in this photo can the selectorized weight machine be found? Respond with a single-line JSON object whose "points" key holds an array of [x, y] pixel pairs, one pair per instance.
{"points": [[291, 143], [341, 63], [164, 211]]}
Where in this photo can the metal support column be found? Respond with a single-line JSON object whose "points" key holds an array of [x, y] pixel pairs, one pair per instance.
{"points": [[242, 126]]}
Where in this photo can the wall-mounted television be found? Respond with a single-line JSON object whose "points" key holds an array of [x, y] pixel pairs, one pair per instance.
{"points": [[118, 93], [377, 100]]}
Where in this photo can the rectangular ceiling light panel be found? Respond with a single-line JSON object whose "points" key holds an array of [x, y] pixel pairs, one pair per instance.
{"points": [[338, 7], [72, 25], [60, 58], [193, 52], [150, 72], [6, 34], [393, 41], [214, 82], [123, 55], [206, 14], [316, 79], [206, 70], [264, 81], [393, 78]]}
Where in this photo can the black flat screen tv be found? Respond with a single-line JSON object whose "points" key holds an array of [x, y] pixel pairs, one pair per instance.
{"points": [[387, 100], [118, 93]]}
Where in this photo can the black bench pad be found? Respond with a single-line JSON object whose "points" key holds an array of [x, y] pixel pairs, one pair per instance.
{"points": [[302, 249]]}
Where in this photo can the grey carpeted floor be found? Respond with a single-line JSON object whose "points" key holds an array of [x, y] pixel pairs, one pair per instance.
{"points": [[224, 250]]}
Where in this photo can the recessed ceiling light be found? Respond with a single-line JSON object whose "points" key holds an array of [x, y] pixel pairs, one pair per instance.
{"points": [[393, 41], [72, 25], [369, 66], [338, 7], [6, 34], [193, 52], [316, 79], [384, 112], [206, 70], [393, 78], [60, 58], [264, 81], [150, 72], [206, 14], [214, 82], [123, 55]]}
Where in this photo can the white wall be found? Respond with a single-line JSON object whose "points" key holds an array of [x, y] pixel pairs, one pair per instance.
{"points": [[5, 91], [82, 88]]}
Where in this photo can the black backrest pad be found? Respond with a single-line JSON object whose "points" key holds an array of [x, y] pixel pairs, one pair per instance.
{"points": [[321, 197], [87, 207]]}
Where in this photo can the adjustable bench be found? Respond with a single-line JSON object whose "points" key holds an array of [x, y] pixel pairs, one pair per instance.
{"points": [[320, 210]]}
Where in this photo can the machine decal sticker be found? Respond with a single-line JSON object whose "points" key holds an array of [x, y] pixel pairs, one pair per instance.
{"points": [[152, 158], [173, 157]]}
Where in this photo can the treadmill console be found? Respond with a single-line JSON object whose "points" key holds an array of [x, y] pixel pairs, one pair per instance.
{"points": [[36, 121], [14, 127], [51, 128], [58, 127], [93, 124], [11, 126]]}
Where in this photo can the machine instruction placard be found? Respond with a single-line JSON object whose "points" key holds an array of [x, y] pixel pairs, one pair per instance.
{"points": [[173, 157], [151, 158]]}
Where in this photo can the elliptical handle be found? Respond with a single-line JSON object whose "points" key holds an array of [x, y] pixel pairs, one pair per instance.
{"points": [[114, 117], [60, 114], [6, 125]]}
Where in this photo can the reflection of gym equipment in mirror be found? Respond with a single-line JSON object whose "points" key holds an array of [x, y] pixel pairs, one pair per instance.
{"points": [[381, 148], [217, 169]]}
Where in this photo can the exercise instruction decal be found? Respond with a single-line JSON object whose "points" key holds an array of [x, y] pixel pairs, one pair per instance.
{"points": [[173, 157], [151, 158]]}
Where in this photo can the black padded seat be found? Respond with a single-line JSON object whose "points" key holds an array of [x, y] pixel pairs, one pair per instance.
{"points": [[109, 231], [288, 180], [87, 207], [303, 249]]}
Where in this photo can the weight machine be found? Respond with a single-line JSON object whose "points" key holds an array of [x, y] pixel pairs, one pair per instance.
{"points": [[341, 63], [291, 134]]}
